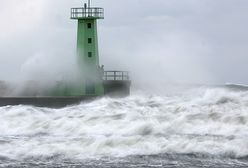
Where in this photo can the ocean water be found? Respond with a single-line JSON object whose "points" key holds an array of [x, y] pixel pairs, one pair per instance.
{"points": [[199, 127]]}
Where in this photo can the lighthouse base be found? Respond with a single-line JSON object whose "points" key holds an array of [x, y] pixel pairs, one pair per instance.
{"points": [[116, 88], [51, 102], [111, 89]]}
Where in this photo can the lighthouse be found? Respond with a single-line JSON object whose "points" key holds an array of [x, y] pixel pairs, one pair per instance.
{"points": [[94, 80], [87, 49]]}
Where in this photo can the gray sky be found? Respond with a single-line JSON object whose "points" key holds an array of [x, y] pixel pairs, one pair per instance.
{"points": [[194, 41]]}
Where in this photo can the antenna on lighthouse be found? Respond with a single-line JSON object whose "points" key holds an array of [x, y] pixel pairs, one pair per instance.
{"points": [[89, 3]]}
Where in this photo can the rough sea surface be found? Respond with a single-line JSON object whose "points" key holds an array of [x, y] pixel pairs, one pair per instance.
{"points": [[200, 127]]}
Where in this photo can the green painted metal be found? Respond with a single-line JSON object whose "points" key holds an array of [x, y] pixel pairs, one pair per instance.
{"points": [[87, 51], [92, 80]]}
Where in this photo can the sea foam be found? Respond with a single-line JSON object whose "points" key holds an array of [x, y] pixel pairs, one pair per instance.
{"points": [[201, 120]]}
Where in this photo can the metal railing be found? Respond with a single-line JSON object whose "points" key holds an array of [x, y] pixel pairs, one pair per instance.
{"points": [[116, 75], [81, 13]]}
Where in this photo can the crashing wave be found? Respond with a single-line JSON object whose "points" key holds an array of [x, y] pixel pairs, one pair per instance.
{"points": [[206, 121]]}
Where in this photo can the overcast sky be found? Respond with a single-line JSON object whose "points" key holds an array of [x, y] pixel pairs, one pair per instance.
{"points": [[194, 41]]}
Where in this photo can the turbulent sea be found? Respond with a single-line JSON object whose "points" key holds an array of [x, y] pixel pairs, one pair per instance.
{"points": [[198, 127]]}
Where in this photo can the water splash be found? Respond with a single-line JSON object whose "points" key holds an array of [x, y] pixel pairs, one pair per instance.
{"points": [[202, 120]]}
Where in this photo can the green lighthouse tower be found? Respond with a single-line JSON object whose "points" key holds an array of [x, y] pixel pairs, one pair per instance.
{"points": [[87, 49], [91, 83]]}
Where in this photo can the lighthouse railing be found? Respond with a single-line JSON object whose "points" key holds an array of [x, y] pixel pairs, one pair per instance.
{"points": [[116, 75], [84, 13]]}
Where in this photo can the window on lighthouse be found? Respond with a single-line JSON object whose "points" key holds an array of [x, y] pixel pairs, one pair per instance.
{"points": [[89, 54], [89, 25], [89, 40]]}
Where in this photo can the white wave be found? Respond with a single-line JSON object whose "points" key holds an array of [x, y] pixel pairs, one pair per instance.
{"points": [[203, 120], [235, 84]]}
